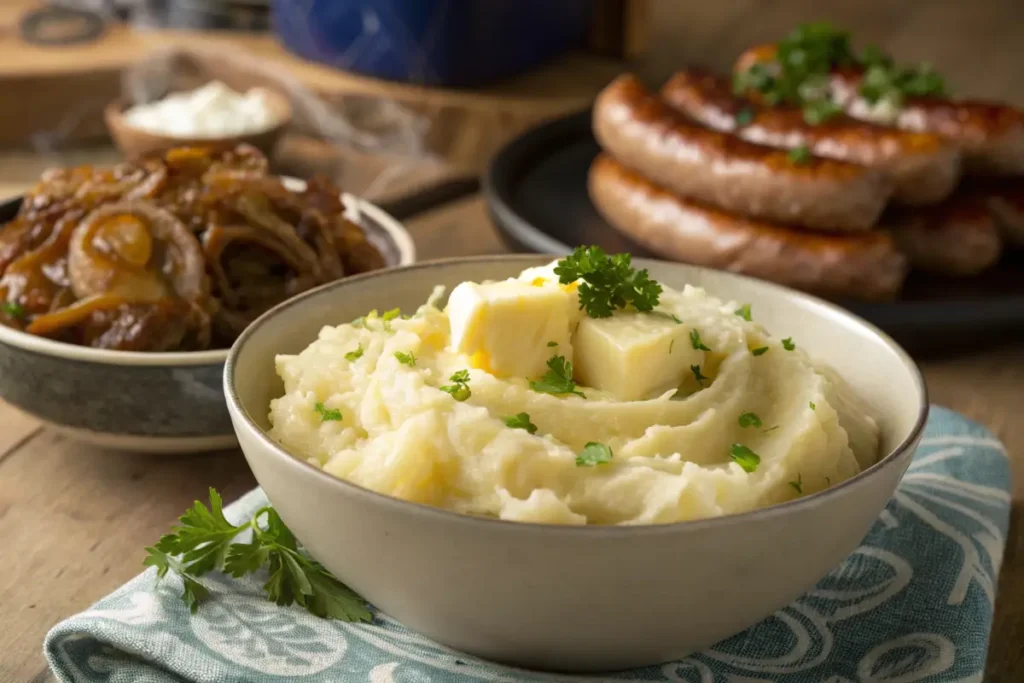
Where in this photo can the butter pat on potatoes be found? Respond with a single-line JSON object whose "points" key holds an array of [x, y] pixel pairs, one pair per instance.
{"points": [[632, 355], [511, 328]]}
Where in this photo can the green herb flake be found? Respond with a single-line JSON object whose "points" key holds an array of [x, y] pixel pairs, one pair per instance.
{"points": [[355, 355], [520, 421], [13, 309], [406, 358], [744, 117], [558, 379], [668, 316], [759, 351], [695, 369], [813, 407], [204, 541], [327, 415], [670, 345], [610, 283], [552, 344], [459, 387], [744, 312], [359, 322], [788, 344], [594, 454], [389, 316], [801, 156], [798, 485], [698, 345], [744, 457], [771, 429], [749, 420]]}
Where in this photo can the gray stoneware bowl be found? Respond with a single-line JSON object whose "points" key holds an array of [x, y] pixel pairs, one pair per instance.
{"points": [[574, 598], [148, 402]]}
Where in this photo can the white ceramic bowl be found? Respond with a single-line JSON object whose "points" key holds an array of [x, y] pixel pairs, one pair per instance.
{"points": [[145, 402], [574, 598]]}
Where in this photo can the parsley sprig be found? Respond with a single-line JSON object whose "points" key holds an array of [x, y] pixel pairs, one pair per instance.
{"points": [[558, 379], [610, 283], [744, 457], [327, 414], [204, 541], [520, 421], [593, 454], [13, 310], [459, 387]]}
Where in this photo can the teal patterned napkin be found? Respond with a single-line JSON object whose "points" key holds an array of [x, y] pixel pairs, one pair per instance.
{"points": [[912, 603]]}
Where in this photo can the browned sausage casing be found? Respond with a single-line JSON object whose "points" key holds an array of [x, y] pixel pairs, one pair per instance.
{"points": [[923, 167], [863, 265], [957, 237], [643, 132], [991, 135], [1005, 200]]}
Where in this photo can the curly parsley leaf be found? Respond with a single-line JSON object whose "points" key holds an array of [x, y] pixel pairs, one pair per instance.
{"points": [[695, 369], [610, 283], [744, 312], [204, 541], [355, 355], [813, 407], [327, 415], [406, 358], [520, 421], [744, 457], [759, 351], [459, 387], [594, 454], [552, 344], [788, 344], [749, 420], [13, 309], [558, 379], [388, 317], [698, 345]]}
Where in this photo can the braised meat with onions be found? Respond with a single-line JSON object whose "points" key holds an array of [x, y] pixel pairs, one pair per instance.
{"points": [[171, 253]]}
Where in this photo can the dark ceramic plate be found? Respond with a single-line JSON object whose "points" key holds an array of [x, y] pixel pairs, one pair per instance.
{"points": [[537, 195], [155, 402]]}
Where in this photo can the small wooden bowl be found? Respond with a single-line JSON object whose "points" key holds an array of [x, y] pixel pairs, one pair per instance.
{"points": [[135, 142]]}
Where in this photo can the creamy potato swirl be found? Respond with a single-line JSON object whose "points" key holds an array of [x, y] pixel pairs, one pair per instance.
{"points": [[400, 435]]}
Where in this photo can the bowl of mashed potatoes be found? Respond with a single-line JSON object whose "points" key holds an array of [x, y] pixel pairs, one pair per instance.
{"points": [[581, 465]]}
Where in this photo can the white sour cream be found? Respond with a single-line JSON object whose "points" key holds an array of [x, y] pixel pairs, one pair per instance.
{"points": [[212, 111]]}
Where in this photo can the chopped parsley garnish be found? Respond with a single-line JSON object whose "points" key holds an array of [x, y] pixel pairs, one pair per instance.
{"points": [[828, 481], [749, 420], [759, 351], [204, 541], [670, 345], [610, 283], [800, 155], [327, 415], [13, 309], [813, 407], [788, 344], [744, 457], [355, 355], [798, 485], [695, 369], [520, 421], [359, 322], [698, 345], [406, 358], [744, 117], [744, 312], [670, 316], [389, 316], [771, 429], [459, 387], [558, 378], [594, 454], [552, 344]]}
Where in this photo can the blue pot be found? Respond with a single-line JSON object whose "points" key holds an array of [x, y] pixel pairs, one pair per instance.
{"points": [[458, 43]]}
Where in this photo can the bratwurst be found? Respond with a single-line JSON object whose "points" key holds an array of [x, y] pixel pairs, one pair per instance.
{"points": [[991, 135], [863, 265], [924, 168], [643, 132]]}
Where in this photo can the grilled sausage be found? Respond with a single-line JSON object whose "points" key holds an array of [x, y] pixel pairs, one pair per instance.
{"points": [[1005, 199], [957, 237], [990, 135], [643, 132], [862, 265], [924, 168]]}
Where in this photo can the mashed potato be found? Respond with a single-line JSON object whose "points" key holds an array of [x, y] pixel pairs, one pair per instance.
{"points": [[751, 423]]}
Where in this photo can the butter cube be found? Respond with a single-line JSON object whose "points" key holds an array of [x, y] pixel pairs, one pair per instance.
{"points": [[510, 328], [633, 356]]}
